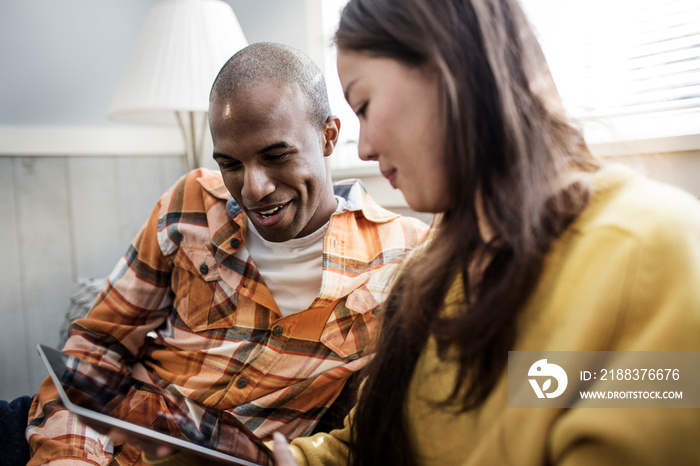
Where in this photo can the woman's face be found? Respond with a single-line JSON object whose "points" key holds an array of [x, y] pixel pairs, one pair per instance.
{"points": [[400, 125]]}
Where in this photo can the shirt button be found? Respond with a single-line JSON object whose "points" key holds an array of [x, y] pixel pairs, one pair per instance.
{"points": [[235, 242], [242, 383], [204, 269], [277, 331]]}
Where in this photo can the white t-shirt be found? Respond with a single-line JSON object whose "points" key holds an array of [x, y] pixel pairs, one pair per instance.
{"points": [[292, 270]]}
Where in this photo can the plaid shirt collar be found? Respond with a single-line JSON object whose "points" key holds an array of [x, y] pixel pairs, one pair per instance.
{"points": [[228, 232]]}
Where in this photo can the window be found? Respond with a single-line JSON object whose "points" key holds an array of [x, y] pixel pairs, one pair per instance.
{"points": [[628, 70], [345, 161]]}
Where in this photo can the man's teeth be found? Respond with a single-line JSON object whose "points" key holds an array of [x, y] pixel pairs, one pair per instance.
{"points": [[268, 213]]}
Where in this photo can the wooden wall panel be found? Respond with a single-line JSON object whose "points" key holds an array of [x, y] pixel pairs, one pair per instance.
{"points": [[46, 250], [172, 169], [140, 182], [14, 359], [63, 218], [93, 189]]}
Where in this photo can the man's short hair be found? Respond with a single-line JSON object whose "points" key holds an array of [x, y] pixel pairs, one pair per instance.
{"points": [[276, 63]]}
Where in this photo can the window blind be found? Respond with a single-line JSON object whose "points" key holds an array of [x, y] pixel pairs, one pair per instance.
{"points": [[626, 69]]}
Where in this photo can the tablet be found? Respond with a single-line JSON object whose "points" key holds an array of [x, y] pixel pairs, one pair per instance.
{"points": [[110, 399]]}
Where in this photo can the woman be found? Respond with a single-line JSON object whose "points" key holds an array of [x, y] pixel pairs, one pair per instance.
{"points": [[538, 247]]}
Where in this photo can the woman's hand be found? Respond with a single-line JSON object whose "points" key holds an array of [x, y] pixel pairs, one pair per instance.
{"points": [[151, 448], [282, 453]]}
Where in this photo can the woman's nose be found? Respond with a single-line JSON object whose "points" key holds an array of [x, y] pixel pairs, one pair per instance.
{"points": [[364, 149]]}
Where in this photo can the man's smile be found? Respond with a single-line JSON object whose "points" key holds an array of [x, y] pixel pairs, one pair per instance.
{"points": [[269, 216]]}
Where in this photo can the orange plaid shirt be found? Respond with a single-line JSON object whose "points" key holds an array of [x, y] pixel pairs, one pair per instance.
{"points": [[186, 308]]}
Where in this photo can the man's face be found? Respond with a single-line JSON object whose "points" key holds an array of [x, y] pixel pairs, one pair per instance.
{"points": [[272, 158]]}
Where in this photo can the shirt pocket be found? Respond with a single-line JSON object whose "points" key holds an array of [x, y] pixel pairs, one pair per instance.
{"points": [[202, 300], [351, 329], [351, 333]]}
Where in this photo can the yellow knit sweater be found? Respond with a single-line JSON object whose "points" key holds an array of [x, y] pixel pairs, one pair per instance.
{"points": [[625, 276]]}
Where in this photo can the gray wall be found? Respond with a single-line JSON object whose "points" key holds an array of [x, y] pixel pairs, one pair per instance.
{"points": [[62, 61]]}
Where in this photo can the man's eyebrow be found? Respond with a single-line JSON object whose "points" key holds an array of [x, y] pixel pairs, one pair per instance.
{"points": [[218, 155], [276, 145]]}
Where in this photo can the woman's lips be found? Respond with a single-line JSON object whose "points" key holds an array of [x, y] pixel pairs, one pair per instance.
{"points": [[391, 176]]}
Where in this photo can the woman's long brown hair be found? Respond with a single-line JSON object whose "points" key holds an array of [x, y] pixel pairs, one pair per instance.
{"points": [[509, 149]]}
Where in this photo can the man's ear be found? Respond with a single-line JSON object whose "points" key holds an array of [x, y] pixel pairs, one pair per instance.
{"points": [[331, 131]]}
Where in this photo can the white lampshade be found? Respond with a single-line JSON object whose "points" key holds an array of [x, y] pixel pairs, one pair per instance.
{"points": [[182, 47]]}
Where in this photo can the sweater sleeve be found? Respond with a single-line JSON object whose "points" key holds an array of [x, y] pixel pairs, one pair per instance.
{"points": [[135, 300], [322, 449], [662, 314]]}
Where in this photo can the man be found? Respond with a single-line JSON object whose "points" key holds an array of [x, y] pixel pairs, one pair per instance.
{"points": [[254, 290]]}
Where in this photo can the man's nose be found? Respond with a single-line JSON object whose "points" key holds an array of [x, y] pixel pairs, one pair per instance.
{"points": [[256, 184]]}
